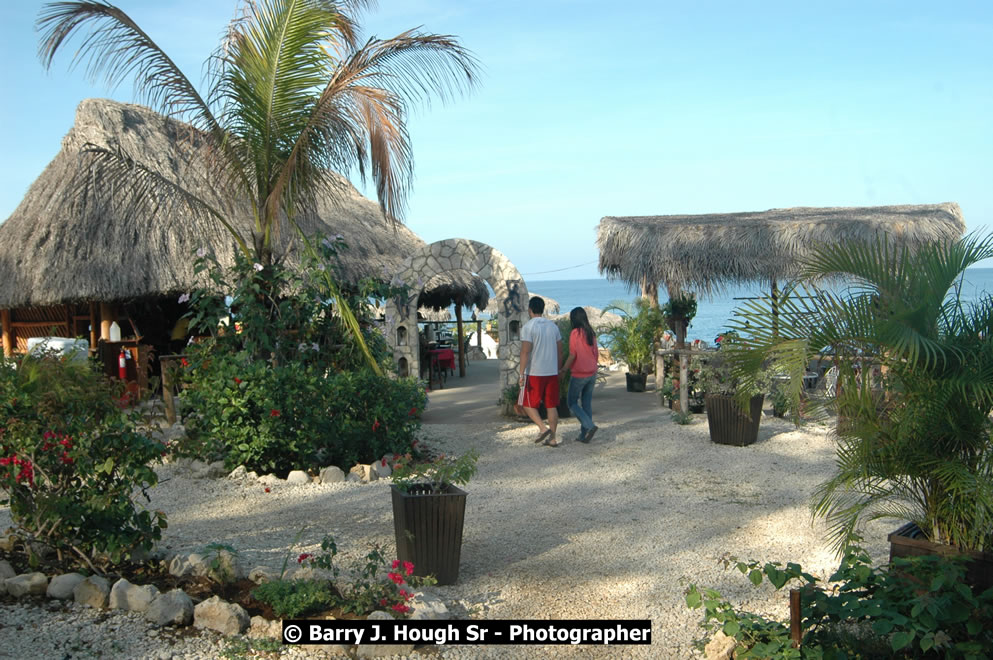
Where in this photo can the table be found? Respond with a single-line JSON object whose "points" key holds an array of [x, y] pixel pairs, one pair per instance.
{"points": [[439, 361]]}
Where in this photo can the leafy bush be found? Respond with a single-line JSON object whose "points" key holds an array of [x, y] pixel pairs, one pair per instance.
{"points": [[70, 460], [296, 416], [284, 386], [919, 607], [290, 599], [633, 340]]}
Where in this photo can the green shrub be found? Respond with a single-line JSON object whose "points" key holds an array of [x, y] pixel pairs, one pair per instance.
{"points": [[283, 386], [919, 607], [70, 460], [290, 599], [295, 416]]}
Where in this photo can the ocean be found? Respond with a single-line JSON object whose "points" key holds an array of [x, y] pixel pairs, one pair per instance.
{"points": [[713, 313]]}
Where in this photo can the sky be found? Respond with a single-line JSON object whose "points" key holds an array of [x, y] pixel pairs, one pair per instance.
{"points": [[591, 109]]}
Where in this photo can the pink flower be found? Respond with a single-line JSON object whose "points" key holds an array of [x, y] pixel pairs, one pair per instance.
{"points": [[49, 435], [396, 577], [375, 425], [304, 557], [66, 442], [408, 568], [273, 413], [396, 564], [400, 607], [66, 458], [184, 362], [237, 381], [384, 465]]}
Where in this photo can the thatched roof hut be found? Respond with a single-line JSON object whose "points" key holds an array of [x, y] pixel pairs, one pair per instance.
{"points": [[455, 287], [58, 247], [703, 253]]}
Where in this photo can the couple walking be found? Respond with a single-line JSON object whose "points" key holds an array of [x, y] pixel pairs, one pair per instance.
{"points": [[541, 362]]}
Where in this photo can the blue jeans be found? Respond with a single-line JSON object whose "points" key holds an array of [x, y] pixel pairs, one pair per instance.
{"points": [[582, 388]]}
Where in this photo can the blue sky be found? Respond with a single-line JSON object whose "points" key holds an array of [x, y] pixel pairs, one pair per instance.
{"points": [[642, 108]]}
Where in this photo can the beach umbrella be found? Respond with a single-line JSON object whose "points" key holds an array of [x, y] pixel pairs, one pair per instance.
{"points": [[455, 287]]}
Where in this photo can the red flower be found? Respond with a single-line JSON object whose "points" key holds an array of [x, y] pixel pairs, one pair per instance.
{"points": [[384, 461], [408, 568], [66, 458], [267, 489], [47, 446], [66, 442], [382, 601], [304, 557], [413, 411], [7, 461], [49, 435], [396, 577], [375, 425], [237, 381], [396, 563], [273, 413], [403, 609], [184, 362]]}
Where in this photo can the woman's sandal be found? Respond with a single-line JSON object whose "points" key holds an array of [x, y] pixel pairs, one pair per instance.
{"points": [[552, 442], [541, 438]]}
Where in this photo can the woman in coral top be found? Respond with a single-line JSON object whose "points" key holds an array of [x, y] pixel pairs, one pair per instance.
{"points": [[582, 360]]}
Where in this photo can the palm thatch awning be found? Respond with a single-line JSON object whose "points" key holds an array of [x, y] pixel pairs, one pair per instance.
{"points": [[704, 253], [59, 247], [455, 287]]}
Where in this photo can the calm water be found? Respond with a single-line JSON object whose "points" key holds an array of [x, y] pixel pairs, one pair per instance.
{"points": [[712, 313]]}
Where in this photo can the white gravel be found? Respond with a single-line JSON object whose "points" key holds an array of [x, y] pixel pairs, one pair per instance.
{"points": [[611, 530]]}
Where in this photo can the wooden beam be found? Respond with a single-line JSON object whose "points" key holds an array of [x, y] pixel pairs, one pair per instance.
{"points": [[8, 333], [93, 326], [461, 344], [108, 314]]}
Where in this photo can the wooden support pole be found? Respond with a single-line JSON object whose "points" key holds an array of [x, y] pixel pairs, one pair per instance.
{"points": [[108, 314], [479, 333], [650, 292], [796, 631], [8, 333], [684, 387], [461, 343], [93, 326]]}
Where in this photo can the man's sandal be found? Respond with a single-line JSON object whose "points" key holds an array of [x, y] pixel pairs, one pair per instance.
{"points": [[541, 438], [552, 442]]}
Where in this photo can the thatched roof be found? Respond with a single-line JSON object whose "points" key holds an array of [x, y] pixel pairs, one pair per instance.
{"points": [[448, 288], [599, 319], [706, 252], [57, 247]]}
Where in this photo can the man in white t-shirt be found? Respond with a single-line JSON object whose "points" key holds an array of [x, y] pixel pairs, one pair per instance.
{"points": [[541, 360]]}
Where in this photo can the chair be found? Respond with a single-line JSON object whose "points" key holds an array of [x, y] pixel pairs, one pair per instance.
{"points": [[831, 382]]}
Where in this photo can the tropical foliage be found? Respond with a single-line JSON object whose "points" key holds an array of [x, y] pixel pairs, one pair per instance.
{"points": [[915, 383], [72, 462], [293, 96], [633, 340]]}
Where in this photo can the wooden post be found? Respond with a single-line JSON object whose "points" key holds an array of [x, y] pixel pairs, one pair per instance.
{"points": [[775, 308], [167, 399], [8, 333], [684, 388], [479, 333], [108, 314], [650, 292], [796, 631], [93, 326], [461, 344]]}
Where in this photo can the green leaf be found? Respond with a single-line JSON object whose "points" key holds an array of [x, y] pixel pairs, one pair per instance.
{"points": [[937, 582], [731, 628], [693, 598], [882, 627], [108, 465], [755, 576], [901, 639]]}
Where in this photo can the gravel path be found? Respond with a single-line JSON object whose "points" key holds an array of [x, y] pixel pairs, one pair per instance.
{"points": [[614, 529]]}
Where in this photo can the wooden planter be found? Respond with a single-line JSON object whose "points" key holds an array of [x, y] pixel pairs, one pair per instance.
{"points": [[910, 541], [428, 530], [729, 424], [636, 382]]}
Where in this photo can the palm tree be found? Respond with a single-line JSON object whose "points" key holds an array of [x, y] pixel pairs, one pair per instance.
{"points": [[293, 97], [915, 384]]}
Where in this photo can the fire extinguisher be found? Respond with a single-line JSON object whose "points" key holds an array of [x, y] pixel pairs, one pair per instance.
{"points": [[122, 366]]}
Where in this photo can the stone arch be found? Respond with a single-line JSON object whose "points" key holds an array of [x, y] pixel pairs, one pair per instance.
{"points": [[509, 289]]}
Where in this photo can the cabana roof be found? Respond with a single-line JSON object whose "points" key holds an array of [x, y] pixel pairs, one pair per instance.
{"points": [[60, 247], [704, 253], [454, 287]]}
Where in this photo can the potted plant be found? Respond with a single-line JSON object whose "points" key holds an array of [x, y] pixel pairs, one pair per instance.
{"points": [[914, 388], [508, 400], [633, 340], [731, 422], [429, 512]]}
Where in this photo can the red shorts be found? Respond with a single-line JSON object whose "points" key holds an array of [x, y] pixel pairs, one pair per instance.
{"points": [[537, 389]]}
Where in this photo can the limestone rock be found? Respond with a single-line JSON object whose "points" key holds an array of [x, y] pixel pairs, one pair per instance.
{"points": [[27, 583], [216, 614], [381, 469], [269, 479], [332, 475], [173, 608], [259, 574], [427, 607], [382, 650], [224, 567], [354, 477], [127, 596], [297, 478], [720, 647], [7, 542], [6, 570], [180, 566], [238, 473], [92, 592], [216, 470], [264, 628], [62, 586]]}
